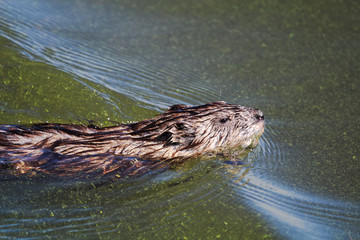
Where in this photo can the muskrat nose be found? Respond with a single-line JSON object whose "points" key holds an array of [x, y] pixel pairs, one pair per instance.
{"points": [[259, 115]]}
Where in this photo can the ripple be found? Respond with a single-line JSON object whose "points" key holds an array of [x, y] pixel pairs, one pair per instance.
{"points": [[271, 153], [38, 222], [132, 78]]}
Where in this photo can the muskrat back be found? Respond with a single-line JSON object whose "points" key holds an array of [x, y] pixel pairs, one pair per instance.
{"points": [[180, 133]]}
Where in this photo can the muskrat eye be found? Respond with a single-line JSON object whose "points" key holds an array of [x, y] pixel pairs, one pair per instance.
{"points": [[224, 120]]}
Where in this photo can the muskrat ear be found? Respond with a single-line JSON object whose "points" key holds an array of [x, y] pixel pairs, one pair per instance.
{"points": [[180, 133], [167, 138], [178, 107], [164, 137]]}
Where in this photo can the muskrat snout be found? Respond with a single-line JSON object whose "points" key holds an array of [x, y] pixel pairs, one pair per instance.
{"points": [[259, 115]]}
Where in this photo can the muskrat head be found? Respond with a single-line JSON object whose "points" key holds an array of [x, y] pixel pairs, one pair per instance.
{"points": [[186, 131]]}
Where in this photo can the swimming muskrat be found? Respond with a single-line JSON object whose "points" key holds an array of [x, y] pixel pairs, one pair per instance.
{"points": [[180, 133]]}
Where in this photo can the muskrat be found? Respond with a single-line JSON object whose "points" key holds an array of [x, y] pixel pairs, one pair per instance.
{"points": [[180, 133]]}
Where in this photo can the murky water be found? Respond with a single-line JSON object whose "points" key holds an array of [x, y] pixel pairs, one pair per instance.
{"points": [[119, 61]]}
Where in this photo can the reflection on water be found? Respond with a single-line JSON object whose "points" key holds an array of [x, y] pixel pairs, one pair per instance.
{"points": [[111, 67], [298, 215], [76, 61]]}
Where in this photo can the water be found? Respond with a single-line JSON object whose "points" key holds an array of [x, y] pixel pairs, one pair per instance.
{"points": [[120, 61]]}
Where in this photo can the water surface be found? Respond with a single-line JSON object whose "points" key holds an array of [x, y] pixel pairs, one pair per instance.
{"points": [[119, 61]]}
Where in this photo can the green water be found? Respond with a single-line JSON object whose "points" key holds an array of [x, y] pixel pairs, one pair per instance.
{"points": [[106, 62]]}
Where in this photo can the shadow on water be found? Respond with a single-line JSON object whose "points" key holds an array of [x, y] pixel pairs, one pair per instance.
{"points": [[74, 61]]}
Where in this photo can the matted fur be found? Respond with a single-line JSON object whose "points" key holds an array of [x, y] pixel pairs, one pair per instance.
{"points": [[179, 133]]}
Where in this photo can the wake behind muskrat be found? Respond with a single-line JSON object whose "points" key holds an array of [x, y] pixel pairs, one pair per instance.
{"points": [[178, 134]]}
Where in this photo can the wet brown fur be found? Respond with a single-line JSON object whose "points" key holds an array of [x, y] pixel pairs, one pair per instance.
{"points": [[179, 133]]}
